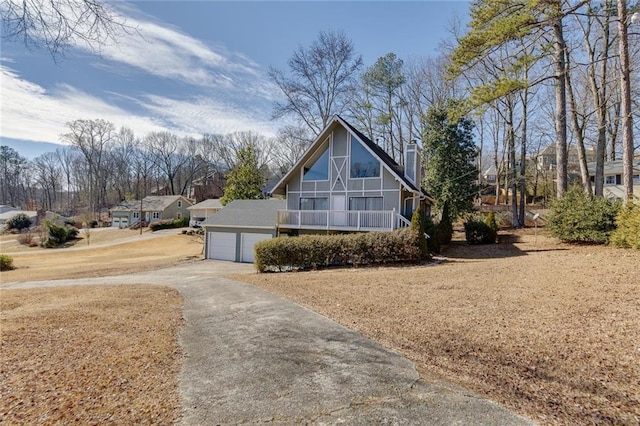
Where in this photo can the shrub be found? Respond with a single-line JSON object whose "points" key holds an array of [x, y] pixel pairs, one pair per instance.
{"points": [[318, 251], [169, 224], [627, 233], [419, 225], [477, 231], [491, 221], [430, 227], [6, 263], [19, 222], [580, 218], [27, 239], [58, 235]]}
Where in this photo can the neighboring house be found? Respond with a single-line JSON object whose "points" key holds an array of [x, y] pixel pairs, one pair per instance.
{"points": [[233, 231], [490, 176], [152, 209], [345, 182], [198, 213], [547, 158], [613, 171], [210, 186]]}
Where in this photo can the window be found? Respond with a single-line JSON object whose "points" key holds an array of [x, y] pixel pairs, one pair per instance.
{"points": [[318, 168], [363, 164], [136, 215], [365, 203], [179, 203], [179, 215], [155, 215], [613, 180], [314, 204], [636, 179]]}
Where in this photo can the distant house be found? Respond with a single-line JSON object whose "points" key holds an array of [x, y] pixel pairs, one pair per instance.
{"points": [[232, 232], [199, 212], [210, 186], [490, 175], [613, 171], [547, 157], [345, 182], [152, 209]]}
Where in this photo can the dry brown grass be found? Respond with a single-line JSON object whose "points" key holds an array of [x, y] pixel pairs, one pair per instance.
{"points": [[95, 261], [90, 355], [549, 330]]}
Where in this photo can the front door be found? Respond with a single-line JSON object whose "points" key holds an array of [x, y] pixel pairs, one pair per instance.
{"points": [[339, 210]]}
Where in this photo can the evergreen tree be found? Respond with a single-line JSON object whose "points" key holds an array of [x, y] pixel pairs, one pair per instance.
{"points": [[450, 154], [244, 181]]}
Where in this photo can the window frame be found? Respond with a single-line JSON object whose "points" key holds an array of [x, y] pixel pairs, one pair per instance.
{"points": [[362, 149]]}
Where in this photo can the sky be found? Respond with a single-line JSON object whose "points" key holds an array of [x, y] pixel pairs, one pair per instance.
{"points": [[195, 67]]}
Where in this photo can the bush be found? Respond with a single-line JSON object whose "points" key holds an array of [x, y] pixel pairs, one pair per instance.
{"points": [[19, 222], [581, 218], [478, 231], [27, 239], [627, 233], [169, 224], [430, 227], [491, 221], [318, 251], [6, 263], [58, 235]]}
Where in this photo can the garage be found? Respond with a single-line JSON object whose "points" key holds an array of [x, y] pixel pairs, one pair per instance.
{"points": [[222, 245], [247, 243], [233, 232]]}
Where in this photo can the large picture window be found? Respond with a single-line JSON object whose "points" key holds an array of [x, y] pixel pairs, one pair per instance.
{"points": [[314, 204], [318, 167], [363, 164], [365, 203]]}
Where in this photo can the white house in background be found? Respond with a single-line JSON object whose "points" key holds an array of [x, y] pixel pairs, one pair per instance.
{"points": [[345, 182], [199, 212], [233, 231], [613, 171], [152, 209]]}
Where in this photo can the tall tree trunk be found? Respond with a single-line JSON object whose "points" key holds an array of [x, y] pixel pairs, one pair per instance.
{"points": [[578, 131], [561, 106], [625, 97], [513, 182]]}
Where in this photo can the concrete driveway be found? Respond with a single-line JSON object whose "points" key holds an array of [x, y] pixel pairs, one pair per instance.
{"points": [[253, 357]]}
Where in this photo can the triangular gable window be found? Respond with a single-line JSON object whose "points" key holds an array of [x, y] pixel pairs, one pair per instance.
{"points": [[363, 164], [318, 167]]}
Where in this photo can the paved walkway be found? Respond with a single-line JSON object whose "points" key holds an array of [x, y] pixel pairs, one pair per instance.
{"points": [[252, 357]]}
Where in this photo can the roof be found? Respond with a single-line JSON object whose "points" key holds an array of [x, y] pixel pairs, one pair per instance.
{"points": [[394, 167], [490, 171], [615, 167], [248, 214], [149, 203], [212, 203]]}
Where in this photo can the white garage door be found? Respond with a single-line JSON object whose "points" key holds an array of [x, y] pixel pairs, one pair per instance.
{"points": [[248, 241], [221, 245], [115, 223]]}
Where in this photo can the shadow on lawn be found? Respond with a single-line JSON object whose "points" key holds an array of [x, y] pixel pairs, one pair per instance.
{"points": [[505, 247]]}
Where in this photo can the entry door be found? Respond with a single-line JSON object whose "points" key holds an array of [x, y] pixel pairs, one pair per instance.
{"points": [[339, 207]]}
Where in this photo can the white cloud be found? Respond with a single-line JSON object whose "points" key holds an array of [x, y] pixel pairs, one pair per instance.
{"points": [[30, 112]]}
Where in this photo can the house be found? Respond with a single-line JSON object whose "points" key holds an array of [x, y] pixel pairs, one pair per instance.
{"points": [[345, 182], [547, 158], [7, 212], [152, 209], [198, 213], [207, 187], [490, 175], [232, 232], [613, 171]]}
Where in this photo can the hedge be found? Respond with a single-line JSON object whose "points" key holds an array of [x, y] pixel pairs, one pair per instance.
{"points": [[320, 251], [169, 224]]}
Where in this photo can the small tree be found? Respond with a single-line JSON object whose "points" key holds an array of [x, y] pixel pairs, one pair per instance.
{"points": [[627, 233], [450, 155], [419, 224], [244, 181], [19, 222]]}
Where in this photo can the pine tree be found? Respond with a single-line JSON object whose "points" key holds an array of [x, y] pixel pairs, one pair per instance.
{"points": [[244, 181]]}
